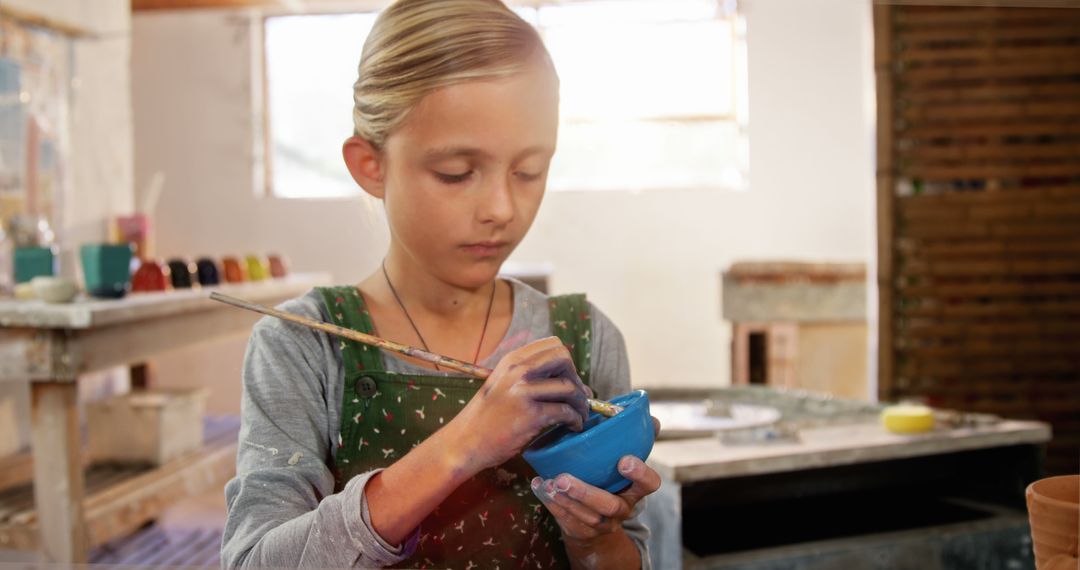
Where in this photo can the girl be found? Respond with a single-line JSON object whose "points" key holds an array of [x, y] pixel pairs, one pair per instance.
{"points": [[354, 457]]}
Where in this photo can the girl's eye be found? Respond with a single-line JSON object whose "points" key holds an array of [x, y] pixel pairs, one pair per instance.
{"points": [[528, 176], [453, 178]]}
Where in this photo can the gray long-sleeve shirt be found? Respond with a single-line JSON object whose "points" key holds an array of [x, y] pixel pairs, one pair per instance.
{"points": [[282, 509]]}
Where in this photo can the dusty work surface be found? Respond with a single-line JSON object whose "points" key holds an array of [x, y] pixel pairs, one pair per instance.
{"points": [[816, 431]]}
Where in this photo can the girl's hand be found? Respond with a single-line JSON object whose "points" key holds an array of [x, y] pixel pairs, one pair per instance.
{"points": [[587, 514], [531, 389]]}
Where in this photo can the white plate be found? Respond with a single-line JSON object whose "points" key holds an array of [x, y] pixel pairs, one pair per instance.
{"points": [[691, 416]]}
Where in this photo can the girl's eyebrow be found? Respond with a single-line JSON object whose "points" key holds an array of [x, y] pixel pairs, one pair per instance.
{"points": [[535, 150], [471, 152], [453, 152]]}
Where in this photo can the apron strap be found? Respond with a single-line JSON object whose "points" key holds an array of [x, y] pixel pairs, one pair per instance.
{"points": [[346, 308], [572, 323]]}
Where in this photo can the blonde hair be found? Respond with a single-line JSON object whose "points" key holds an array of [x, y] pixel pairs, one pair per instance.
{"points": [[418, 46]]}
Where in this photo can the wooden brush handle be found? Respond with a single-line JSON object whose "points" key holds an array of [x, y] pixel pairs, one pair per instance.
{"points": [[599, 406]]}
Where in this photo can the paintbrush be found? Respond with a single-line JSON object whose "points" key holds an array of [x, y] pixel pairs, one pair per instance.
{"points": [[599, 406]]}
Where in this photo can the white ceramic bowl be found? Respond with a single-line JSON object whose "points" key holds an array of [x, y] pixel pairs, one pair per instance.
{"points": [[54, 289]]}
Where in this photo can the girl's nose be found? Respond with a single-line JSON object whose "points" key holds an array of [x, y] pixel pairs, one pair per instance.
{"points": [[497, 203]]}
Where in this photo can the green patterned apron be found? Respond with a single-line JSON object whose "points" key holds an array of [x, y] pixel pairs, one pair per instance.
{"points": [[491, 521]]}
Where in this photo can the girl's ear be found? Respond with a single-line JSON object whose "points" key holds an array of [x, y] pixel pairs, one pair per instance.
{"points": [[365, 165]]}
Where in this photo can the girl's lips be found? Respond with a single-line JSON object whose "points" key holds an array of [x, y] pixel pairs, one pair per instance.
{"points": [[485, 249]]}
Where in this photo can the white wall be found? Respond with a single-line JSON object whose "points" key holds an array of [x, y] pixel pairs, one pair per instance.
{"points": [[195, 123], [102, 148], [650, 260]]}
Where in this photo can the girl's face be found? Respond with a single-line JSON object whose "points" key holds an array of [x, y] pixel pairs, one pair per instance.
{"points": [[465, 173]]}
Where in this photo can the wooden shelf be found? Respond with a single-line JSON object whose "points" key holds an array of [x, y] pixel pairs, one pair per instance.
{"points": [[85, 313], [121, 498], [62, 341]]}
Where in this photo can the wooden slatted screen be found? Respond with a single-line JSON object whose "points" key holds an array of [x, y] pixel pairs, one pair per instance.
{"points": [[979, 212]]}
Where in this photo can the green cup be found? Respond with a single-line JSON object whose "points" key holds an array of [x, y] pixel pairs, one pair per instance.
{"points": [[106, 269], [31, 262]]}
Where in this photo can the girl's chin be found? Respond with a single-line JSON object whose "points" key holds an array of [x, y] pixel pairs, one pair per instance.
{"points": [[478, 275]]}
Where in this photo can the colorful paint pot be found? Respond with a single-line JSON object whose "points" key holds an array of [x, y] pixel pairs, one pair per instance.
{"points": [[150, 276], [183, 274], [106, 269], [277, 267], [208, 272], [258, 268], [593, 454], [235, 272]]}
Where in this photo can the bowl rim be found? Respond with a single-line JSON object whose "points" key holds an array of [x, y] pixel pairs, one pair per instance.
{"points": [[637, 399], [1036, 495]]}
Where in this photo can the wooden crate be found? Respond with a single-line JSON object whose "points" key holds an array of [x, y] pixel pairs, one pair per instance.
{"points": [[145, 426], [979, 211], [802, 324]]}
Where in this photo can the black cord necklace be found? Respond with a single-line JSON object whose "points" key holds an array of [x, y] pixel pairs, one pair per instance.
{"points": [[483, 331]]}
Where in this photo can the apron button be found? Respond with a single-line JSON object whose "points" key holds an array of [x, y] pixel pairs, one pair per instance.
{"points": [[365, 387]]}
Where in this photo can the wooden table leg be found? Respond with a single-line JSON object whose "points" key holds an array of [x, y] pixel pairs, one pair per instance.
{"points": [[58, 475]]}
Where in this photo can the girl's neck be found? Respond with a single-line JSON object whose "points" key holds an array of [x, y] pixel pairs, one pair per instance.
{"points": [[424, 292], [449, 319]]}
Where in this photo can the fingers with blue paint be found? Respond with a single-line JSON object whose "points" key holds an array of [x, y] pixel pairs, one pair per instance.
{"points": [[531, 389]]}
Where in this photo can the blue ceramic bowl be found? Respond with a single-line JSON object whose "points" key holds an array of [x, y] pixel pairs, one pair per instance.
{"points": [[593, 454]]}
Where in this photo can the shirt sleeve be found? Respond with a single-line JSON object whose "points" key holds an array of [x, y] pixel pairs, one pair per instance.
{"points": [[610, 378], [282, 511]]}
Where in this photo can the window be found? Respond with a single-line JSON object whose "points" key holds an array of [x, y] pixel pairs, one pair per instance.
{"points": [[653, 95], [311, 65]]}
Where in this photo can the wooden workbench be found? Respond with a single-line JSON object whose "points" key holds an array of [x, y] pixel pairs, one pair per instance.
{"points": [[824, 458], [702, 459], [50, 346]]}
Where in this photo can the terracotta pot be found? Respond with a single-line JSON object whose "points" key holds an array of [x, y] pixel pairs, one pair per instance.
{"points": [[1054, 512]]}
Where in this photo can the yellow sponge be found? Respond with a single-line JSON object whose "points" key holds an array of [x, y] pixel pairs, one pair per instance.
{"points": [[907, 419]]}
